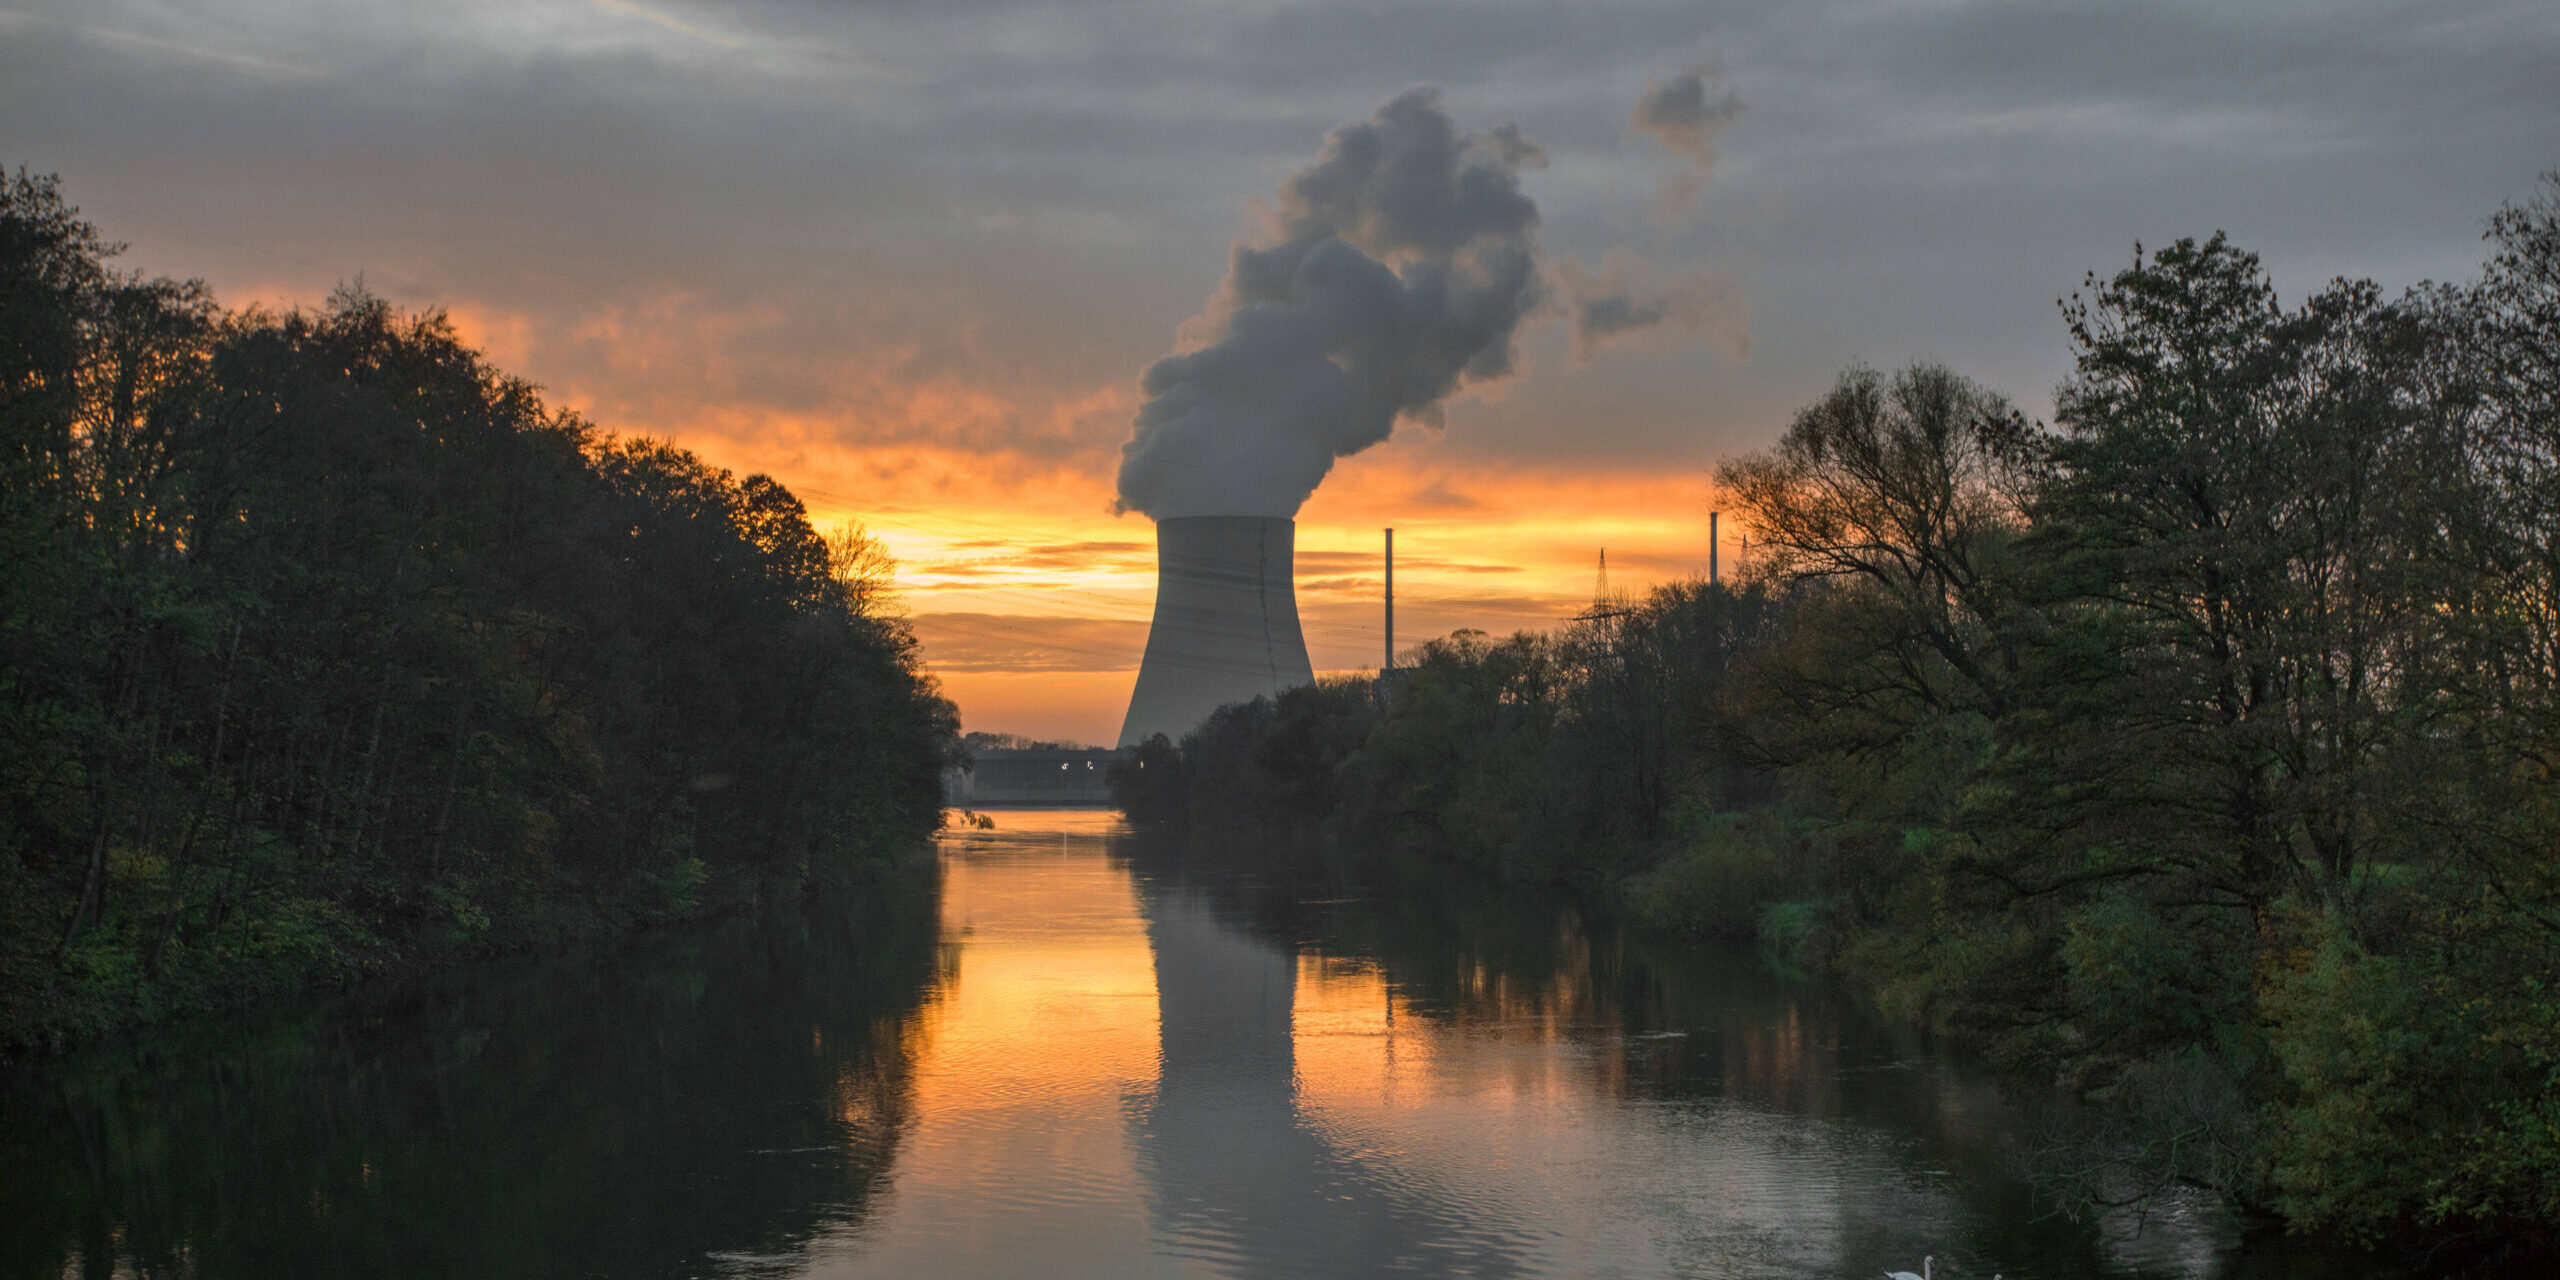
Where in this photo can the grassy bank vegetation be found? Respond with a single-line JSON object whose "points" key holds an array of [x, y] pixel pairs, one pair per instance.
{"points": [[2195, 750], [325, 649]]}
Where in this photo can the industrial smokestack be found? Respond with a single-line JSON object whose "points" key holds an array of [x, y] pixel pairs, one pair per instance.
{"points": [[1226, 622]]}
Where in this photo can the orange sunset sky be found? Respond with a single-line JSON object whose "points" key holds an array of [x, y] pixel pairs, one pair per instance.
{"points": [[911, 259]]}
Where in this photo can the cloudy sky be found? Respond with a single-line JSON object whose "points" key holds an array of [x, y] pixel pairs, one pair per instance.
{"points": [[911, 256]]}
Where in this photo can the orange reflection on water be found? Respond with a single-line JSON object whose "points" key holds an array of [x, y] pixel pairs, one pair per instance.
{"points": [[1055, 999], [1350, 1040], [1469, 1084], [1778, 1061], [1043, 1022], [1563, 1040]]}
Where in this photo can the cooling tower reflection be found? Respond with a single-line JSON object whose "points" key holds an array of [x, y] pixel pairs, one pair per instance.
{"points": [[1237, 1174]]}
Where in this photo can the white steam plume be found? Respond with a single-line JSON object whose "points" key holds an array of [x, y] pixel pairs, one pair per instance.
{"points": [[1400, 266]]}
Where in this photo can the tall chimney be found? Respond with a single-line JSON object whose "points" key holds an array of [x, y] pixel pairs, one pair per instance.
{"points": [[1226, 623], [1390, 664], [1714, 545]]}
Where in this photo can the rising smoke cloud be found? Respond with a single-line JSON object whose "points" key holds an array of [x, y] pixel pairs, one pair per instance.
{"points": [[1686, 112], [1400, 267], [1604, 304]]}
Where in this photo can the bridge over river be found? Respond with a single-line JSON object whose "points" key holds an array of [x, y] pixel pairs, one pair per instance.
{"points": [[1044, 777]]}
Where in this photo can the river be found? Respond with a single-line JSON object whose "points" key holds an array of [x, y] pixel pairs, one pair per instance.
{"points": [[1080, 1054]]}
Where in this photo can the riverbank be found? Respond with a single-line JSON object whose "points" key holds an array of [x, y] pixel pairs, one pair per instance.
{"points": [[329, 651], [622, 1106], [1085, 1052], [2082, 1157], [2249, 1113], [137, 1018]]}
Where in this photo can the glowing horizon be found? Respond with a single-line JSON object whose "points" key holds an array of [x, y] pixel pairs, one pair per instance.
{"points": [[911, 260], [1033, 616]]}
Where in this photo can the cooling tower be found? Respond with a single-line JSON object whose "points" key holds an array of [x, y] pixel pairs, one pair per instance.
{"points": [[1226, 624]]}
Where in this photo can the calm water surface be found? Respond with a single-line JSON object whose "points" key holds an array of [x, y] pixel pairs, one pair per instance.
{"points": [[1107, 1059]]}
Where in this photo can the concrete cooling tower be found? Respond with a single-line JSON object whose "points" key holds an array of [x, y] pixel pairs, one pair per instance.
{"points": [[1226, 624]]}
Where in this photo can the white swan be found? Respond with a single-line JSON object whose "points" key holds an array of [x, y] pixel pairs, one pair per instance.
{"points": [[1925, 1263]]}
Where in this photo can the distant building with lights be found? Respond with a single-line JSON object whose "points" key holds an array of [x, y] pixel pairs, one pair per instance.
{"points": [[1047, 777]]}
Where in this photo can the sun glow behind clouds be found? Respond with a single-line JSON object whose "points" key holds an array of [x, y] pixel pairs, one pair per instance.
{"points": [[1030, 598], [1050, 595]]}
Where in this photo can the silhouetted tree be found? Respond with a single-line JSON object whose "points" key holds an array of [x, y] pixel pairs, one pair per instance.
{"points": [[325, 648]]}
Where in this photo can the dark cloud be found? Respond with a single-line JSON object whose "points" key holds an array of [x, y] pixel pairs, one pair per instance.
{"points": [[1089, 549], [1437, 496], [1344, 562], [1001, 559], [1687, 112], [1028, 643], [1031, 194], [1621, 299]]}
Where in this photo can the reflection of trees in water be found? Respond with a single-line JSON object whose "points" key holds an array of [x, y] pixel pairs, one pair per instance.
{"points": [[707, 1096], [1657, 1020], [1760, 1066]]}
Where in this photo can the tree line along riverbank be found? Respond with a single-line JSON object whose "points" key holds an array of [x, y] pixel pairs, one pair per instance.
{"points": [[2194, 751], [327, 650]]}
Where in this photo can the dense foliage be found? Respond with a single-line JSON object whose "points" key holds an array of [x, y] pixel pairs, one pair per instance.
{"points": [[600, 1110], [2196, 750], [324, 648]]}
